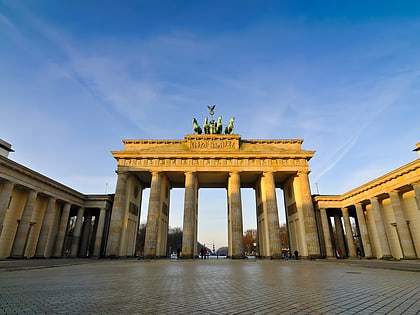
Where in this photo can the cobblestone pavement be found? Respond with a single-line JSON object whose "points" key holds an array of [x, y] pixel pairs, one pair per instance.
{"points": [[208, 287]]}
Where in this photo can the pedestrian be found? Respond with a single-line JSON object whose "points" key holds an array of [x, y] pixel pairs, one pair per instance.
{"points": [[359, 253], [296, 254]]}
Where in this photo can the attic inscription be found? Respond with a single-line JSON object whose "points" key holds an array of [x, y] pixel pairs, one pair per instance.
{"points": [[224, 144]]}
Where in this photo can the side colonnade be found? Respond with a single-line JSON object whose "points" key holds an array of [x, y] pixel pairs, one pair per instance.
{"points": [[380, 219], [41, 218]]}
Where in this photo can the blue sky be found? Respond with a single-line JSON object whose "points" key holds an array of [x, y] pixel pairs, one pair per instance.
{"points": [[77, 77]]}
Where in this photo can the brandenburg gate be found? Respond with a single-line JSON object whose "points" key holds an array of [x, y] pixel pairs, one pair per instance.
{"points": [[212, 159]]}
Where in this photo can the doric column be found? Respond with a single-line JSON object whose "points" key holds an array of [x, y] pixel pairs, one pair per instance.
{"points": [[190, 203], [349, 232], [269, 193], [8, 233], [35, 226], [62, 229], [152, 225], [99, 233], [87, 226], [51, 225], [402, 227], [117, 215], [235, 202], [24, 225], [380, 228], [363, 230], [42, 250], [311, 232], [76, 234], [339, 233], [5, 195], [416, 188], [326, 231]]}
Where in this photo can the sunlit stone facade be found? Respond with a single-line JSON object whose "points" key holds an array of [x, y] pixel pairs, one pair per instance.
{"points": [[40, 217], [381, 217], [215, 161]]}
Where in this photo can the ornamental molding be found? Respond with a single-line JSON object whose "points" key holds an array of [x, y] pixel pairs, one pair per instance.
{"points": [[213, 162]]}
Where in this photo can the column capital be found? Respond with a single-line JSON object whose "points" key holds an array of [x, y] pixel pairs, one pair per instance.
{"points": [[394, 193], [374, 198], [303, 172], [122, 172]]}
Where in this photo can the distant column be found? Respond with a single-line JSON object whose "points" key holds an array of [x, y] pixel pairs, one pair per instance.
{"points": [[51, 226], [62, 230], [5, 195], [74, 252], [339, 232], [363, 230], [35, 225], [349, 232], [24, 225], [46, 225], [87, 226], [8, 233], [269, 192], [311, 232], [234, 196], [190, 204], [117, 216], [401, 226], [380, 228], [326, 231], [99, 233], [416, 188], [150, 244]]}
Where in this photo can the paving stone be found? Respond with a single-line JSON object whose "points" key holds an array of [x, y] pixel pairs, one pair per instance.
{"points": [[209, 287]]}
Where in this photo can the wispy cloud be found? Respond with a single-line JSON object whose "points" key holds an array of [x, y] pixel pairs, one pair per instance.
{"points": [[4, 20]]}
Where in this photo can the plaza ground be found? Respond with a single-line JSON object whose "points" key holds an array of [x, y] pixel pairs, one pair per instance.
{"points": [[128, 286]]}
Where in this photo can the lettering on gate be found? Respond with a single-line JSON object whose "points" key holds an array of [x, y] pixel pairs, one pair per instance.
{"points": [[213, 142]]}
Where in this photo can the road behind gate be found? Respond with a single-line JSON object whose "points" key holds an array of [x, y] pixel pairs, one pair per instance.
{"points": [[209, 287]]}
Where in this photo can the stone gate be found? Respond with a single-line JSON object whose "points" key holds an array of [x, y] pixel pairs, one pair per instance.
{"points": [[215, 161]]}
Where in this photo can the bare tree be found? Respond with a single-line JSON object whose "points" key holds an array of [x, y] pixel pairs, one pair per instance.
{"points": [[250, 241], [284, 236], [174, 240], [141, 236]]}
